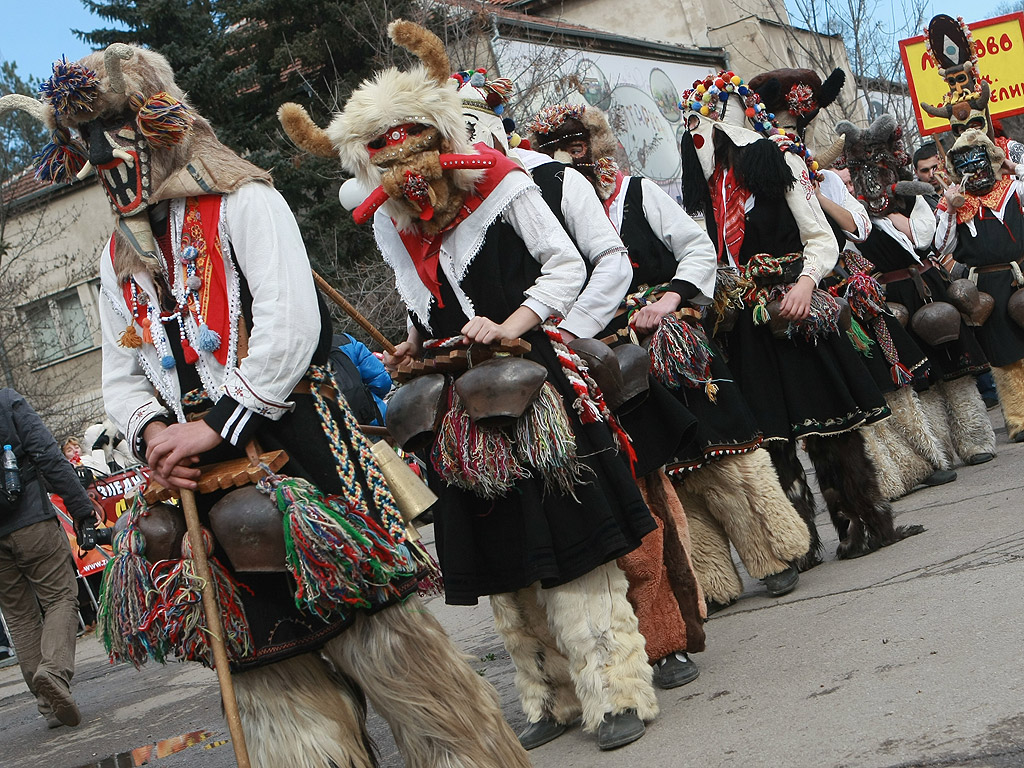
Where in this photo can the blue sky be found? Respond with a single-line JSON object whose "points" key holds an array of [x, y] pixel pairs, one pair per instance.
{"points": [[35, 32]]}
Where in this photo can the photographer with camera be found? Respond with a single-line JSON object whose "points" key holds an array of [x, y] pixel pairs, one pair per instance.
{"points": [[38, 592]]}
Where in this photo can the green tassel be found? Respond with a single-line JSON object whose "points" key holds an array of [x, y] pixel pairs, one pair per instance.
{"points": [[860, 340], [761, 315]]}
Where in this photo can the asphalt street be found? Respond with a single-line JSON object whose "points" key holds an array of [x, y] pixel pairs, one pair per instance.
{"points": [[908, 657]]}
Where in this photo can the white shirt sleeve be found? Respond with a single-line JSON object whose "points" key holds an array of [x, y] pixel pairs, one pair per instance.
{"points": [[601, 246], [696, 260], [285, 313], [821, 251], [562, 269]]}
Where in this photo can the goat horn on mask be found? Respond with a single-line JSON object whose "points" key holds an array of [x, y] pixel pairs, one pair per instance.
{"points": [[306, 134], [112, 58]]}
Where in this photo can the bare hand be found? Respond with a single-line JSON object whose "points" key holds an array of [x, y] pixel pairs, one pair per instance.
{"points": [[173, 451], [954, 196], [484, 331], [796, 304], [403, 353], [648, 318]]}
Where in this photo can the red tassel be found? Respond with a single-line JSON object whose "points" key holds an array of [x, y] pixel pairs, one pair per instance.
{"points": [[147, 334], [190, 354]]}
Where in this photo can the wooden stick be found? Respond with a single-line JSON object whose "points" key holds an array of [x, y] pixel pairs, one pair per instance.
{"points": [[352, 312], [216, 627]]}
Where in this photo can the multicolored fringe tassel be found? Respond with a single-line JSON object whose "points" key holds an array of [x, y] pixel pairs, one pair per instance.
{"points": [[161, 118], [730, 288], [860, 340], [338, 555], [183, 615], [681, 356], [128, 622], [545, 440], [71, 88], [357, 450], [60, 159], [475, 458], [589, 403]]}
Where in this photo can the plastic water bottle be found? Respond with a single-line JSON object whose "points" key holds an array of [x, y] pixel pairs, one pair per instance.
{"points": [[12, 475]]}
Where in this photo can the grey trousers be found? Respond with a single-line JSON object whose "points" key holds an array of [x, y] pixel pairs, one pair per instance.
{"points": [[39, 599]]}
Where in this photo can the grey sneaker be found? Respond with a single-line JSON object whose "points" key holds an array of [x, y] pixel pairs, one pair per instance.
{"points": [[58, 695], [675, 670], [541, 732], [619, 730]]}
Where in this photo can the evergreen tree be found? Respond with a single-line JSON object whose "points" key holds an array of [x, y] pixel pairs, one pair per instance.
{"points": [[21, 135]]}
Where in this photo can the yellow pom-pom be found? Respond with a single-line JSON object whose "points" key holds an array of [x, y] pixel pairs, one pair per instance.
{"points": [[701, 88], [736, 80], [705, 110], [814, 165]]}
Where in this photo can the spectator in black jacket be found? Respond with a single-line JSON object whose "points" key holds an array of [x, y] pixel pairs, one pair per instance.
{"points": [[38, 593]]}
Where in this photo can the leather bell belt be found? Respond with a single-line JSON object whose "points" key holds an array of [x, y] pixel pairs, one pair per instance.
{"points": [[904, 274]]}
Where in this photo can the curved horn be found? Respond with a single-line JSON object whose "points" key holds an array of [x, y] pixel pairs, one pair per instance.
{"points": [[848, 130], [945, 111], [112, 58], [425, 44], [828, 156], [34, 107], [304, 132]]}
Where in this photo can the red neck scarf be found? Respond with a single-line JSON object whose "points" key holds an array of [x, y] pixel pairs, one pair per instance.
{"points": [[425, 250], [729, 203]]}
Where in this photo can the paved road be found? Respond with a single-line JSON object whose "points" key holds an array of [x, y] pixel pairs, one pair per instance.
{"points": [[909, 657]]}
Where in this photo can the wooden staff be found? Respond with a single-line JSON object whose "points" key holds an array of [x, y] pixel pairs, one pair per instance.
{"points": [[216, 628], [352, 312]]}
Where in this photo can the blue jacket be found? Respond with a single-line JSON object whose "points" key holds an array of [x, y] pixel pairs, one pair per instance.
{"points": [[375, 376]]}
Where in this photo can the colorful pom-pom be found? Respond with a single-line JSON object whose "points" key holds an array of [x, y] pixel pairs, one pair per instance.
{"points": [[167, 362], [161, 118], [71, 88], [60, 160], [208, 340]]}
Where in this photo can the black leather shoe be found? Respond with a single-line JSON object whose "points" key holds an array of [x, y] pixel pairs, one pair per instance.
{"points": [[979, 458], [619, 730], [940, 477], [541, 732], [1019, 437], [783, 582], [675, 670]]}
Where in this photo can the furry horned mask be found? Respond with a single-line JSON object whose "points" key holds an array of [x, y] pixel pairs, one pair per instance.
{"points": [[121, 113], [402, 134], [578, 135]]}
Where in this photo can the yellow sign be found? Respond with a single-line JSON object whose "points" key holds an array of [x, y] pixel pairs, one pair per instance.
{"points": [[999, 45]]}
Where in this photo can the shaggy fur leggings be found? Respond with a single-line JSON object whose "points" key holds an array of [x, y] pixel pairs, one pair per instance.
{"points": [[577, 649], [738, 500], [663, 587], [905, 448], [959, 419], [309, 711], [849, 483], [1010, 385]]}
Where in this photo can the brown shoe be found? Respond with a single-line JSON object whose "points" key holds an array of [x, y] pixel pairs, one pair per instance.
{"points": [[57, 693]]}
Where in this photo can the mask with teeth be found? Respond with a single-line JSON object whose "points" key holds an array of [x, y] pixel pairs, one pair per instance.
{"points": [[121, 156], [976, 162], [119, 112]]}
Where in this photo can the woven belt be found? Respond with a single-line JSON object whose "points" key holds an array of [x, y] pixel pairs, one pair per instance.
{"points": [[904, 274], [997, 267]]}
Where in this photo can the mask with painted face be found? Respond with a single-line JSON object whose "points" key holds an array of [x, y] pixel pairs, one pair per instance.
{"points": [[877, 161], [976, 162]]}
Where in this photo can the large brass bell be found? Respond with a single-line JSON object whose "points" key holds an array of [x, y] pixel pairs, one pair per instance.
{"points": [[635, 368], [412, 495], [248, 525], [163, 527], [498, 391], [415, 410], [937, 322], [900, 312], [964, 295], [984, 311], [845, 314], [1015, 307], [604, 368]]}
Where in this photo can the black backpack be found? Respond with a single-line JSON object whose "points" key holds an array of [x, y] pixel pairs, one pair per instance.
{"points": [[358, 396]]}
